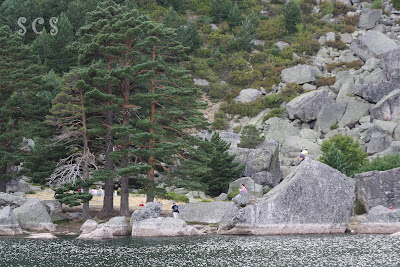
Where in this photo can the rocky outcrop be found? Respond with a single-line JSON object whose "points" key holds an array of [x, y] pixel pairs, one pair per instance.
{"points": [[242, 199], [369, 18], [330, 115], [388, 108], [376, 43], [205, 212], [253, 188], [117, 225], [151, 210], [263, 158], [98, 234], [300, 74], [314, 198], [163, 227], [9, 225], [248, 95], [32, 215], [380, 220], [54, 209], [222, 197], [378, 188], [307, 106], [11, 200]]}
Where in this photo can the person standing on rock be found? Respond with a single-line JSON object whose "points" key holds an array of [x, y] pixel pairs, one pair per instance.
{"points": [[175, 210], [303, 155]]}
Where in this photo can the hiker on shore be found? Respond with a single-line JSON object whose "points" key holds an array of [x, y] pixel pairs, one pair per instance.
{"points": [[175, 210]]}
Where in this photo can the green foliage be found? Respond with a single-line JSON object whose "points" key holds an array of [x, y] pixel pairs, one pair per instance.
{"points": [[359, 208], [396, 4], [334, 126], [338, 44], [191, 36], [271, 29], [325, 81], [276, 112], [377, 4], [234, 193], [220, 10], [246, 34], [30, 192], [292, 16], [176, 197], [327, 7], [251, 137], [235, 16], [69, 195], [344, 154], [384, 163]]}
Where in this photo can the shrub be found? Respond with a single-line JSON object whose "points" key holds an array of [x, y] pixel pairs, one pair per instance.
{"points": [[377, 4], [250, 137], [237, 129], [338, 44], [271, 29], [340, 8], [344, 154], [359, 208], [384, 163], [325, 81], [292, 90], [349, 29], [327, 7], [234, 193], [276, 112], [396, 4], [345, 65], [334, 126], [177, 197], [350, 20], [304, 43], [220, 121], [31, 192]]}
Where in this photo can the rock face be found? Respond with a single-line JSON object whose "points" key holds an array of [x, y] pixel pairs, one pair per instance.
{"points": [[242, 199], [388, 108], [8, 223], [163, 227], [247, 95], [151, 210], [117, 225], [253, 188], [88, 226], [369, 18], [11, 200], [377, 43], [330, 115], [314, 198], [378, 188], [375, 92], [54, 209], [263, 158], [300, 74], [307, 106], [380, 220], [205, 212], [98, 234], [32, 215]]}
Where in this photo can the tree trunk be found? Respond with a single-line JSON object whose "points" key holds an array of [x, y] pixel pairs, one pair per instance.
{"points": [[108, 202], [150, 190], [85, 206], [124, 208], [3, 187]]}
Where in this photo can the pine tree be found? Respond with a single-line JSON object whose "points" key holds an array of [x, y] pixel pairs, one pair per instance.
{"points": [[77, 12], [235, 16], [292, 16], [171, 19], [190, 36], [21, 109], [220, 10], [250, 137], [246, 34]]}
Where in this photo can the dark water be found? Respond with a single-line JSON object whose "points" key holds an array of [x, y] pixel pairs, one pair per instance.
{"points": [[305, 250]]}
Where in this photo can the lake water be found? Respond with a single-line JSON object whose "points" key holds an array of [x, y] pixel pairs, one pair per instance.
{"points": [[212, 250]]}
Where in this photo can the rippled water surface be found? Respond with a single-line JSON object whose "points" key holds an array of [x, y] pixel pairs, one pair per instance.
{"points": [[318, 250]]}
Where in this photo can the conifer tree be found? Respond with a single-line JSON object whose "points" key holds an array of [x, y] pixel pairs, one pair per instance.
{"points": [[235, 16], [190, 36], [250, 137], [21, 109], [292, 16], [220, 10], [171, 19], [246, 34]]}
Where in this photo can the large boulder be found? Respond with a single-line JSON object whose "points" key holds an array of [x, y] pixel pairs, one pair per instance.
{"points": [[32, 215], [380, 220], [253, 188], [11, 200], [117, 225], [330, 115], [205, 212], [98, 234], [89, 226], [369, 18], [307, 106], [248, 95], [292, 146], [376, 43], [242, 199], [263, 158], [8, 223], [376, 188], [151, 210], [375, 92], [355, 110], [314, 198], [54, 209], [388, 108], [279, 129], [163, 227], [300, 74]]}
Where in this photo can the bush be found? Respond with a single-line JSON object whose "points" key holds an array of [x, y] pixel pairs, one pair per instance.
{"points": [[325, 81], [340, 8], [396, 4], [384, 163], [345, 65], [30, 192], [237, 129], [338, 44], [220, 121], [234, 193], [359, 208], [219, 91], [292, 16], [250, 137], [276, 112], [344, 154], [334, 126], [377, 4], [327, 7], [271, 29], [350, 20], [177, 197], [292, 90]]}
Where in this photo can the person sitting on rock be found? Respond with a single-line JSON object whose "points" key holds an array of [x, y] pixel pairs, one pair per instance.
{"points": [[303, 155], [243, 190]]}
